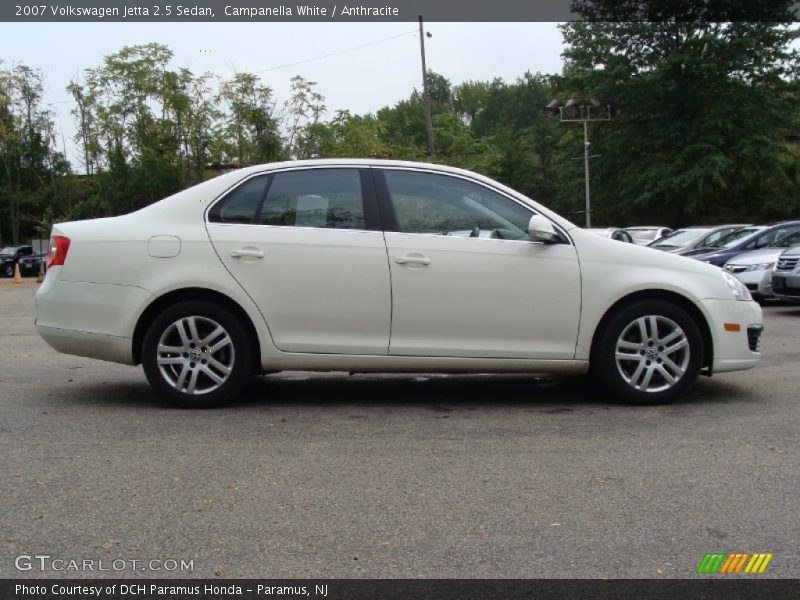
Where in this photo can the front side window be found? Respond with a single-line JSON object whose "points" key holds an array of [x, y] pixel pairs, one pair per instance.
{"points": [[787, 241], [443, 205], [622, 236], [323, 198]]}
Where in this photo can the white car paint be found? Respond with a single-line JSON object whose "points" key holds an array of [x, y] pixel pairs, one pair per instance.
{"points": [[330, 299]]}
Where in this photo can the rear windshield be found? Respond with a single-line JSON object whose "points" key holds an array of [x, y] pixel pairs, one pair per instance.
{"points": [[642, 234]]}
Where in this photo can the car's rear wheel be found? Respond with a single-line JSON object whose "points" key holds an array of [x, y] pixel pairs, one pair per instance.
{"points": [[197, 355], [649, 352]]}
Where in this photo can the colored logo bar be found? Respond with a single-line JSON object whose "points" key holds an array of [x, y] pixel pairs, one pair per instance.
{"points": [[728, 563]]}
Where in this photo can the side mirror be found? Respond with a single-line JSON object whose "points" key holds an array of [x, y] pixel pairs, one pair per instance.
{"points": [[541, 229]]}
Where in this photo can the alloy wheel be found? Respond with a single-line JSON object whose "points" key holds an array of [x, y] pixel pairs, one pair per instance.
{"points": [[652, 353], [195, 355]]}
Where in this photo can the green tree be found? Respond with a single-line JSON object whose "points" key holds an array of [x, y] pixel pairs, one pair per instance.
{"points": [[251, 133], [32, 167], [304, 110], [706, 108]]}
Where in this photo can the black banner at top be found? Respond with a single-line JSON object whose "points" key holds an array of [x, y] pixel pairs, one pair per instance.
{"points": [[397, 10]]}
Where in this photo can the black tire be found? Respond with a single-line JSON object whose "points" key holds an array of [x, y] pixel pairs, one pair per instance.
{"points": [[8, 270], [620, 377], [237, 355]]}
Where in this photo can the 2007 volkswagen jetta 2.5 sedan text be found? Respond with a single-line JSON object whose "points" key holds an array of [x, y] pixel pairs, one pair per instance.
{"points": [[382, 266]]}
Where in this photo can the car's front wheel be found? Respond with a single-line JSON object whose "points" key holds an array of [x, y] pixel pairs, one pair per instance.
{"points": [[8, 270], [649, 352], [197, 355]]}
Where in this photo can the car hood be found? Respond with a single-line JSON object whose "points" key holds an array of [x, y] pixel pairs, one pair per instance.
{"points": [[634, 268], [709, 253], [592, 247], [755, 257]]}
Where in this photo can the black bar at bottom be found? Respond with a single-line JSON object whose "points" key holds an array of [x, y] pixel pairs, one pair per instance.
{"points": [[710, 588]]}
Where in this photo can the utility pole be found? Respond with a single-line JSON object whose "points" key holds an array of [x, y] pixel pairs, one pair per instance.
{"points": [[586, 145], [426, 97], [574, 112]]}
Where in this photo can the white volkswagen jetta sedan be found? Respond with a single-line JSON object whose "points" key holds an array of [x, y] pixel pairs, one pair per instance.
{"points": [[378, 266]]}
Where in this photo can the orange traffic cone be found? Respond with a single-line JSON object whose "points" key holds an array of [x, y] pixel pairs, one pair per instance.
{"points": [[17, 276]]}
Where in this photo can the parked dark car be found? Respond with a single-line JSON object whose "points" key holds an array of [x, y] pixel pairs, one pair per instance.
{"points": [[30, 265], [746, 239], [10, 256]]}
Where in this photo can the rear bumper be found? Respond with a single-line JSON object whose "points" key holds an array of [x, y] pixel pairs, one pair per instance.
{"points": [[90, 345], [89, 319], [732, 349]]}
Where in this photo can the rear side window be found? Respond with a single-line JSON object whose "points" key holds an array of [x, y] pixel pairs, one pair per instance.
{"points": [[769, 240], [322, 198], [240, 205]]}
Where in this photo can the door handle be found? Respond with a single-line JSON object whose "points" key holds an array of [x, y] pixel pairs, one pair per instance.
{"points": [[247, 252], [412, 259]]}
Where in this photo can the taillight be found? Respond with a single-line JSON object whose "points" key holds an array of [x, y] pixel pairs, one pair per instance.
{"points": [[59, 245]]}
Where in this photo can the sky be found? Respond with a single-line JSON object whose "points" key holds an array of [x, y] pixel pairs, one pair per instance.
{"points": [[361, 80]]}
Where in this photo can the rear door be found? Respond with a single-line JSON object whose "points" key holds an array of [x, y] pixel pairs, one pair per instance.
{"points": [[307, 246]]}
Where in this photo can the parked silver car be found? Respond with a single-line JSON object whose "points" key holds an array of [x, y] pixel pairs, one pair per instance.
{"points": [[644, 235], [755, 268], [786, 276], [687, 239]]}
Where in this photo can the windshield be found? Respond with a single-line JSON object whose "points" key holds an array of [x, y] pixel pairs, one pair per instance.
{"points": [[734, 238], [8, 251], [681, 237]]}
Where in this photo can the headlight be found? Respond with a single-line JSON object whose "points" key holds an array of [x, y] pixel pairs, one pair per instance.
{"points": [[760, 267], [739, 290]]}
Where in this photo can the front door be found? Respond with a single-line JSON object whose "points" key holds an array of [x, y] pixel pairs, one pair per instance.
{"points": [[467, 281]]}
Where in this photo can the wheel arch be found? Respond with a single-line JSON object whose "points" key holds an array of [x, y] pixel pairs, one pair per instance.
{"points": [[658, 294], [184, 294]]}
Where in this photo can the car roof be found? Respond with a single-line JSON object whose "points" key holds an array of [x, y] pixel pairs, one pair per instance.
{"points": [[201, 195], [772, 226]]}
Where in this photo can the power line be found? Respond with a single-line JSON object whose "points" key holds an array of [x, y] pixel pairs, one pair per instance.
{"points": [[337, 53], [306, 60]]}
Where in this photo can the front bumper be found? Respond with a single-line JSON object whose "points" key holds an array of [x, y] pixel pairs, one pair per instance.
{"points": [[758, 282], [732, 349]]}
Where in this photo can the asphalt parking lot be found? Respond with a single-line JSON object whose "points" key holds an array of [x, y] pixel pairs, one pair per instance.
{"points": [[413, 476]]}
